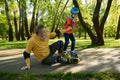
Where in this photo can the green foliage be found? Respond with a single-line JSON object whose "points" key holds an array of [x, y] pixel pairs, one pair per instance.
{"points": [[3, 25], [46, 12], [111, 23]]}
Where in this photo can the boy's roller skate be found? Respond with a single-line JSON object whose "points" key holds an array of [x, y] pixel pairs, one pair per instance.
{"points": [[65, 55], [73, 54], [74, 60]]}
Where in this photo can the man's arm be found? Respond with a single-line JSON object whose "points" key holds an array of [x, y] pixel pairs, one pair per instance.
{"points": [[58, 32], [26, 55], [27, 60]]}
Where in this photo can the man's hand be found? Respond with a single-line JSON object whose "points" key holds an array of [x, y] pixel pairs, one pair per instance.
{"points": [[69, 28], [25, 68], [58, 33]]}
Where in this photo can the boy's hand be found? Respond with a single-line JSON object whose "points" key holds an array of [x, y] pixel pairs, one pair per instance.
{"points": [[69, 28], [25, 68]]}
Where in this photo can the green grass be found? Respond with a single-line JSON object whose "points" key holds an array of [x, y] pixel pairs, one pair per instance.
{"points": [[80, 43], [12, 45], [61, 76]]}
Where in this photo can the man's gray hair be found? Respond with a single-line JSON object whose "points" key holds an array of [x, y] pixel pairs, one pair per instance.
{"points": [[38, 28]]}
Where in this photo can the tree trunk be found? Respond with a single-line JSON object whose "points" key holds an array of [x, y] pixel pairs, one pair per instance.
{"points": [[20, 21], [118, 30], [103, 21], [36, 18], [16, 27], [87, 29], [105, 15], [26, 26], [8, 19], [61, 15], [96, 23], [99, 27], [25, 22], [55, 17], [32, 26]]}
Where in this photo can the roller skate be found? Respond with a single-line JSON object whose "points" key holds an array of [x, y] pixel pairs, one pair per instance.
{"points": [[62, 60], [74, 60], [73, 54], [65, 54]]}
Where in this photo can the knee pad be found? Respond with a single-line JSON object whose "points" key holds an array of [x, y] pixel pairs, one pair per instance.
{"points": [[60, 43], [74, 42], [60, 46], [26, 55]]}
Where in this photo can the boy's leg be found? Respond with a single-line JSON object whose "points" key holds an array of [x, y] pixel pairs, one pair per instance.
{"points": [[73, 41], [73, 53], [66, 41], [65, 54]]}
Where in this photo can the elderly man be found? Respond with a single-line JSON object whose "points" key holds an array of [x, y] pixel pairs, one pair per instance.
{"points": [[38, 44]]}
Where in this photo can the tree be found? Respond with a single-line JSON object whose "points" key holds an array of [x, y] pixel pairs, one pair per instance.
{"points": [[118, 30], [55, 17], [16, 26], [9, 21], [99, 27], [61, 15], [32, 26], [25, 19], [98, 38], [87, 29]]}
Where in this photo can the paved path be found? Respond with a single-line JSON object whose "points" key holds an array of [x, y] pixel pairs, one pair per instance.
{"points": [[92, 60]]}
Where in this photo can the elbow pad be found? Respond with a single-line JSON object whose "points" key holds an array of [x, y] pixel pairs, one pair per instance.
{"points": [[26, 55]]}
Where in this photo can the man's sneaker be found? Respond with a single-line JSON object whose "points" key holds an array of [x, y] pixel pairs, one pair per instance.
{"points": [[73, 60], [58, 59], [73, 54]]}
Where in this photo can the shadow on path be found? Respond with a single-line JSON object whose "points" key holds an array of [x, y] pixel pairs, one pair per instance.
{"points": [[92, 60]]}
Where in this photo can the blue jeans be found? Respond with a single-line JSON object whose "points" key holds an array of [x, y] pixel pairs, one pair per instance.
{"points": [[67, 37]]}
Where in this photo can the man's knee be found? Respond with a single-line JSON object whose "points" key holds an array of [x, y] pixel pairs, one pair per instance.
{"points": [[60, 46], [60, 43]]}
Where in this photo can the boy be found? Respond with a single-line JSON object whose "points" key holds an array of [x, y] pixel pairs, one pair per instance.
{"points": [[71, 22]]}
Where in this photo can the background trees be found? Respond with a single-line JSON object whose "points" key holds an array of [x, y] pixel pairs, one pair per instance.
{"points": [[97, 18]]}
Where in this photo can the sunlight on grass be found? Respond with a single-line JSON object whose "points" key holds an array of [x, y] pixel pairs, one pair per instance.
{"points": [[80, 43], [11, 45]]}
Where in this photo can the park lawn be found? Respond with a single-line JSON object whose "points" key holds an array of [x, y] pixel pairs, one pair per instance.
{"points": [[80, 43], [61, 76]]}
